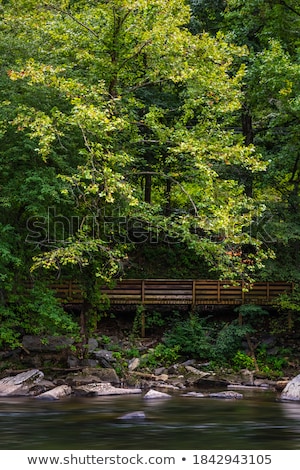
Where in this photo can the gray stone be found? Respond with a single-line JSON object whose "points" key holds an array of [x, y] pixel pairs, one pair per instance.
{"points": [[105, 375], [103, 389], [72, 361], [20, 384], [291, 391], [189, 362], [91, 374], [92, 344], [247, 377], [197, 372], [134, 363], [154, 394], [104, 354], [227, 395], [41, 387], [47, 344], [134, 415], [104, 357], [195, 395], [56, 393]]}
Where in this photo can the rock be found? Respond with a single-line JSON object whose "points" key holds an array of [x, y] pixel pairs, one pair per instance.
{"points": [[189, 362], [280, 385], [227, 395], [162, 378], [102, 389], [20, 384], [292, 390], [72, 361], [195, 395], [246, 377], [81, 379], [197, 372], [134, 363], [41, 387], [56, 393], [211, 382], [48, 344], [104, 357], [93, 374], [92, 344], [160, 371], [154, 394], [105, 375], [133, 415], [94, 363], [263, 383], [244, 387], [166, 386]]}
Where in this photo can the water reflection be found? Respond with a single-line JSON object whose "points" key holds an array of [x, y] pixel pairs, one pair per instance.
{"points": [[259, 421]]}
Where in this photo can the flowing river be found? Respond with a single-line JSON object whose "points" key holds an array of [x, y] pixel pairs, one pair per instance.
{"points": [[258, 421]]}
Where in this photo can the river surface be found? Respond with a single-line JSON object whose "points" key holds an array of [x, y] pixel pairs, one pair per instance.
{"points": [[258, 421]]}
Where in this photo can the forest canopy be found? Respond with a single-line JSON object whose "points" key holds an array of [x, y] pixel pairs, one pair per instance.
{"points": [[148, 139]]}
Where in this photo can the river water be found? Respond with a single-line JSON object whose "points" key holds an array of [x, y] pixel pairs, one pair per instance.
{"points": [[258, 421]]}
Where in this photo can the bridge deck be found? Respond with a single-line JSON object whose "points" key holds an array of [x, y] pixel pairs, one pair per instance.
{"points": [[179, 292]]}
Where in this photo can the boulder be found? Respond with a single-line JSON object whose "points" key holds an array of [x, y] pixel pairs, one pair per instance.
{"points": [[103, 389], [291, 391], [154, 394], [56, 393], [93, 374], [48, 344], [104, 356], [21, 384]]}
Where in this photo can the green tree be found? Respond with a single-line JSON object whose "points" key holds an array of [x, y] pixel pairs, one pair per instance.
{"points": [[271, 103], [122, 117]]}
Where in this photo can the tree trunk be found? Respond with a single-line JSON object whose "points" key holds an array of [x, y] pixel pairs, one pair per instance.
{"points": [[148, 183]]}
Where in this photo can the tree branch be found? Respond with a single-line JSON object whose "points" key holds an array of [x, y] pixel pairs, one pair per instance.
{"points": [[69, 14], [282, 2], [164, 175]]}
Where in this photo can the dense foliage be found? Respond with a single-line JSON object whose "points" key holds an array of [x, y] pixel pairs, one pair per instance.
{"points": [[148, 139]]}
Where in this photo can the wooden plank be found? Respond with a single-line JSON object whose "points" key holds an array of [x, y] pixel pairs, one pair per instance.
{"points": [[167, 291]]}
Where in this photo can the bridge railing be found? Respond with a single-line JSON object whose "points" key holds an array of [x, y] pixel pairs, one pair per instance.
{"points": [[179, 292]]}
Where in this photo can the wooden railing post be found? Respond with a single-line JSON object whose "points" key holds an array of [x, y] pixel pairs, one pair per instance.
{"points": [[143, 292], [193, 295], [143, 319], [243, 292]]}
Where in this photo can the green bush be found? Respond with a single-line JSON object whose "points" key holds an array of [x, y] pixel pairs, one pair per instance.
{"points": [[161, 355], [191, 336], [200, 339], [269, 362], [36, 313], [241, 360], [229, 340]]}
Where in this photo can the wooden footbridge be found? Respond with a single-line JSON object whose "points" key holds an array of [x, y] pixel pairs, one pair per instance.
{"points": [[179, 292]]}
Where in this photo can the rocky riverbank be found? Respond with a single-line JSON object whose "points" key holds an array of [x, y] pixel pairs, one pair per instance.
{"points": [[33, 383], [49, 370]]}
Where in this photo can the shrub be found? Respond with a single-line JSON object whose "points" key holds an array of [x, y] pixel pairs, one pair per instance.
{"points": [[161, 355], [38, 313], [192, 336]]}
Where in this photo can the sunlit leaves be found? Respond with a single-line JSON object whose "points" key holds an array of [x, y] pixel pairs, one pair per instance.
{"points": [[131, 92]]}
